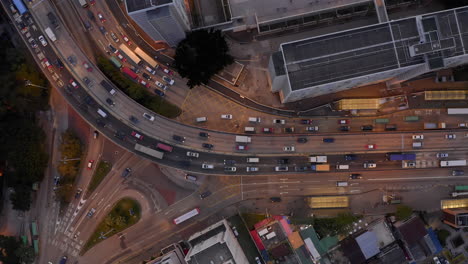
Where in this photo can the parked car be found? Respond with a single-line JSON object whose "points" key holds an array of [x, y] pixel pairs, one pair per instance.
{"points": [[349, 157], [442, 155], [450, 136], [90, 164], [371, 146], [312, 128], [226, 116], [418, 137], [74, 84], [242, 147], [42, 40], [207, 145], [289, 129], [230, 169], [87, 67], [267, 130], [127, 40], [168, 80], [126, 172], [114, 37], [306, 121]]}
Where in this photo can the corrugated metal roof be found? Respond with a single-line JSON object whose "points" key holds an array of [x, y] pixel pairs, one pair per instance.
{"points": [[362, 104], [454, 203], [445, 95], [328, 202]]}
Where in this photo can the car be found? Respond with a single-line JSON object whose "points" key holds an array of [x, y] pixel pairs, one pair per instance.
{"points": [[95, 134], [193, 154], [306, 121], [281, 168], [436, 260], [344, 128], [409, 164], [145, 84], [251, 169], [114, 37], [78, 193], [148, 116], [367, 128], [203, 195], [463, 125], [283, 161], [122, 58], [312, 128], [160, 85], [226, 116], [101, 17], [137, 135], [168, 80], [159, 92], [46, 63], [279, 121], [207, 145], [90, 164], [267, 130], [32, 42], [91, 212], [442, 155], [349, 157], [257, 259], [328, 140], [207, 166], [371, 146], [300, 168], [133, 119], [204, 134], [302, 140], [59, 63], [242, 147], [146, 76], [112, 49], [110, 102], [167, 71], [103, 30], [289, 148], [450, 136], [42, 40], [87, 67], [343, 121], [73, 83], [88, 82], [72, 60], [289, 129], [369, 165], [126, 172], [355, 176], [458, 173], [120, 135], [229, 162], [275, 200], [125, 38], [63, 260], [92, 2], [418, 137], [230, 169], [178, 138]]}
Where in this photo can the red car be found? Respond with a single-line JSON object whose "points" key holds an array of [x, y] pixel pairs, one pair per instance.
{"points": [[90, 164], [137, 136], [122, 58], [242, 147], [127, 40], [371, 146], [343, 121], [46, 63], [145, 84], [168, 71], [101, 17], [267, 130], [74, 84], [87, 67]]}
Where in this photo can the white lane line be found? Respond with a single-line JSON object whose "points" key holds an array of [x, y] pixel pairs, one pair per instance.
{"points": [[417, 178]]}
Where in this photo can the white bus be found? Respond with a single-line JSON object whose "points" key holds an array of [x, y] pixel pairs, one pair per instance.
{"points": [[457, 111], [146, 58], [134, 58], [149, 151], [186, 216]]}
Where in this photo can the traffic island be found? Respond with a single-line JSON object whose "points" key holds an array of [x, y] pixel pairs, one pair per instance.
{"points": [[125, 213], [102, 170]]}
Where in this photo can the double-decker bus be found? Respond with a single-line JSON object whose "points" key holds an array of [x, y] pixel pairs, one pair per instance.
{"points": [[186, 216]]}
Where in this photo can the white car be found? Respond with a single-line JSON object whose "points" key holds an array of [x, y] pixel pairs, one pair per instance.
{"points": [[312, 128], [160, 85], [279, 121], [442, 155], [418, 137], [230, 169], [193, 154], [42, 40], [450, 136], [289, 148], [251, 169], [370, 165], [168, 80], [148, 116], [207, 166], [227, 116]]}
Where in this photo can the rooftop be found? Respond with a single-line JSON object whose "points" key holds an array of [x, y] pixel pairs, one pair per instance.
{"points": [[412, 231], [135, 5]]}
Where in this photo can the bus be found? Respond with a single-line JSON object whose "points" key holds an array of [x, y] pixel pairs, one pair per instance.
{"points": [[134, 58], [20, 6], [457, 111], [164, 147], [83, 3], [36, 246], [116, 62], [186, 216], [382, 121], [149, 151], [461, 188], [412, 118], [34, 229], [146, 58], [129, 73]]}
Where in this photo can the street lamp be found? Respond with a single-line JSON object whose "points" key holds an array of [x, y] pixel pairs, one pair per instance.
{"points": [[29, 83]]}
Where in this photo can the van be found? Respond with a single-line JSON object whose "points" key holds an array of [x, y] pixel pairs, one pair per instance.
{"points": [[254, 119], [190, 177], [342, 167], [341, 183], [417, 144], [101, 113], [249, 129], [207, 166], [253, 160], [201, 119]]}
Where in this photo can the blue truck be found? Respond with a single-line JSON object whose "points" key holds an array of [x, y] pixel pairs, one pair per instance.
{"points": [[401, 156]]}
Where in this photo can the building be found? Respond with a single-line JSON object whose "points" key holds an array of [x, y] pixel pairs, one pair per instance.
{"points": [[390, 52], [162, 20], [171, 255], [456, 217], [216, 245]]}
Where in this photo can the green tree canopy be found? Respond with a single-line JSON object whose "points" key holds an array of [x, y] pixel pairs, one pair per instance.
{"points": [[403, 212], [8, 246], [201, 55]]}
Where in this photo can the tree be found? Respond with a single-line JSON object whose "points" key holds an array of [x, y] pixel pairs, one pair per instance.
{"points": [[8, 246], [25, 254], [21, 198], [403, 212], [201, 55]]}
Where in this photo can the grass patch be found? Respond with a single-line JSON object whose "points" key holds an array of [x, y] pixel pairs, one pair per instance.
{"points": [[442, 235], [251, 219], [118, 219], [101, 171]]}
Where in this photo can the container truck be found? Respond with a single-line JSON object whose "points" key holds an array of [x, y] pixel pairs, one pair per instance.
{"points": [[318, 159], [401, 156], [50, 34], [452, 163], [321, 167], [434, 125], [243, 139]]}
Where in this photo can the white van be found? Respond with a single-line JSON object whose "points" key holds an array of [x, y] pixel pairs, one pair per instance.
{"points": [[417, 144], [249, 129], [341, 183], [254, 119], [101, 113], [148, 69], [342, 167], [201, 119], [190, 177], [207, 166], [253, 160]]}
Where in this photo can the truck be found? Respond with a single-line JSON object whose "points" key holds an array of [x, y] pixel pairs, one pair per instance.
{"points": [[321, 167], [108, 87], [401, 156], [318, 159], [434, 125], [452, 163], [53, 20], [50, 34], [243, 139]]}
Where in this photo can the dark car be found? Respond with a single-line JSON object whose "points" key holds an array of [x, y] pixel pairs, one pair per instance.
{"points": [[110, 102], [207, 146], [289, 129], [146, 76], [306, 121], [275, 199], [134, 119], [120, 135], [178, 138], [103, 30], [78, 193], [205, 194], [88, 100], [203, 134], [344, 128], [126, 172], [302, 140], [367, 128], [229, 162], [300, 168], [355, 176], [112, 48], [391, 127], [59, 64], [158, 92], [458, 173], [88, 82], [283, 161], [91, 15], [100, 122], [328, 140], [350, 157]]}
